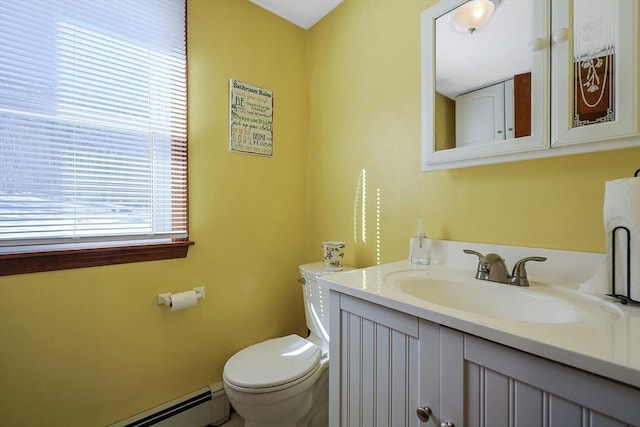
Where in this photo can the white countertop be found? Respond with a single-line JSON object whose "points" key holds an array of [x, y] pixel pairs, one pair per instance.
{"points": [[609, 347]]}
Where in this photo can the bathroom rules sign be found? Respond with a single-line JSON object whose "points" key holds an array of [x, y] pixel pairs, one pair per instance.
{"points": [[250, 119]]}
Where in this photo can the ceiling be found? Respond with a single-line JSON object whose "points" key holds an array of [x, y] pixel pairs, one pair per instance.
{"points": [[465, 62], [304, 13], [494, 53]]}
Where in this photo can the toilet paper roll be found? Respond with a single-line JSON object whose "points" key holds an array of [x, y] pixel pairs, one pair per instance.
{"points": [[183, 300], [622, 209]]}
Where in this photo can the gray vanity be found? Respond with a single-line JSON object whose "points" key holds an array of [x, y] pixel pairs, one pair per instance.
{"points": [[556, 353]]}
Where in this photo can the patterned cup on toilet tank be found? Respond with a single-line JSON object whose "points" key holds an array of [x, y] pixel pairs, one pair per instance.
{"points": [[333, 255]]}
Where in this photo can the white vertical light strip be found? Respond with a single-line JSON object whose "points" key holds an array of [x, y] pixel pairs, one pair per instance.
{"points": [[356, 206], [378, 233], [360, 208], [364, 206]]}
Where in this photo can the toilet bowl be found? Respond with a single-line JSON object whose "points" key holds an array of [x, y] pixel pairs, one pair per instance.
{"points": [[275, 383], [284, 382]]}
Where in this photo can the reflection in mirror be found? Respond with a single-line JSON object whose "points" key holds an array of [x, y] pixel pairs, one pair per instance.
{"points": [[575, 60], [483, 76], [594, 58]]}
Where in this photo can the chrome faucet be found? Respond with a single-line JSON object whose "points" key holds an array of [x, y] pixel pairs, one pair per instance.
{"points": [[493, 268]]}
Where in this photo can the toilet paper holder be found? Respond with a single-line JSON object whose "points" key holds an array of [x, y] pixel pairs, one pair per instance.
{"points": [[165, 298], [624, 299]]}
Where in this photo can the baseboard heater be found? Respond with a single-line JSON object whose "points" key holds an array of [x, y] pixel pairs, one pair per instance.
{"points": [[205, 407]]}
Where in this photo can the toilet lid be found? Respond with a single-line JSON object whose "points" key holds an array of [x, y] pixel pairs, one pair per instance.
{"points": [[272, 363]]}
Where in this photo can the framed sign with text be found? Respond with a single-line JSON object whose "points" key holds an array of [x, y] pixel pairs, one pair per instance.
{"points": [[250, 119]]}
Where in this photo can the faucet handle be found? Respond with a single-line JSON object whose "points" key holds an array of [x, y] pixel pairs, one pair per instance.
{"points": [[519, 273], [481, 272], [472, 252]]}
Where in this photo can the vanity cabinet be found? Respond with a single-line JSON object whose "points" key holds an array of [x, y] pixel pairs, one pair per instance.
{"points": [[385, 364]]}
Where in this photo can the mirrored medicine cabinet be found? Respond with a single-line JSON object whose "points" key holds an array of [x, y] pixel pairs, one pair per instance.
{"points": [[540, 78]]}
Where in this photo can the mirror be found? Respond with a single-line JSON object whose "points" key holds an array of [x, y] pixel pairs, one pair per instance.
{"points": [[485, 90], [483, 75]]}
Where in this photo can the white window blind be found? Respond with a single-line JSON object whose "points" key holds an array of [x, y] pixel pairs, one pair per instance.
{"points": [[92, 121]]}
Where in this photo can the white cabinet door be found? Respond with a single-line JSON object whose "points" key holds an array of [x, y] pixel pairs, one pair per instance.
{"points": [[374, 372], [594, 82], [442, 373], [480, 116], [486, 384]]}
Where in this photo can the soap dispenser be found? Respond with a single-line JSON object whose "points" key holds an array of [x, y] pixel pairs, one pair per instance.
{"points": [[419, 249]]}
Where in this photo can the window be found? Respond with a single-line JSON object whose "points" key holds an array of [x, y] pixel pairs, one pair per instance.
{"points": [[93, 144]]}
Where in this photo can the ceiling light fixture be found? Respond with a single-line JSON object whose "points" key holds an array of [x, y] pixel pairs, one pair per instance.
{"points": [[472, 15]]}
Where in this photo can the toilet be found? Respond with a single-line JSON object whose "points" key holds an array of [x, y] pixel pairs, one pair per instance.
{"points": [[284, 382]]}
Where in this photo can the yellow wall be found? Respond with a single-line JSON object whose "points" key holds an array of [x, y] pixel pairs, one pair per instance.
{"points": [[445, 122], [89, 347], [365, 115]]}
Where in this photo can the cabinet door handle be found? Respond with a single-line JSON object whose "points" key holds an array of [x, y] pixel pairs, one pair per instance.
{"points": [[447, 424], [560, 35], [537, 44], [423, 413]]}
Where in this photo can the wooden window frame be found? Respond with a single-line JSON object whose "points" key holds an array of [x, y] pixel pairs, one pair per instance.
{"points": [[34, 262]]}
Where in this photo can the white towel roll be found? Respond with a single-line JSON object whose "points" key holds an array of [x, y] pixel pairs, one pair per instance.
{"points": [[622, 209]]}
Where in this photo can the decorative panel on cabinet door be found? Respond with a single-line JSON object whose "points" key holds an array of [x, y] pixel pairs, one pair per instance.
{"points": [[506, 387], [595, 70], [378, 365]]}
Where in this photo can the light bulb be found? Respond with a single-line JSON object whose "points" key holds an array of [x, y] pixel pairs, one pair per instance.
{"points": [[472, 15]]}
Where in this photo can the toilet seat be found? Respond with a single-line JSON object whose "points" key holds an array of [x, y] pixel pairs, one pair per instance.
{"points": [[272, 365]]}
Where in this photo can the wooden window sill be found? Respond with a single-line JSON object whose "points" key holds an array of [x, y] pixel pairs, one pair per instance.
{"points": [[33, 262]]}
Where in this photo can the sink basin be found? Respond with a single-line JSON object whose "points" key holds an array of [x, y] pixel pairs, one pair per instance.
{"points": [[537, 303]]}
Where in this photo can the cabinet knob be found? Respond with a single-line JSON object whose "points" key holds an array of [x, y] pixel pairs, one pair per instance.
{"points": [[423, 413], [560, 35], [447, 424], [537, 44]]}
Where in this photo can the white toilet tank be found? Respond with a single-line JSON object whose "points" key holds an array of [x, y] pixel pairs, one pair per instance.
{"points": [[316, 301]]}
